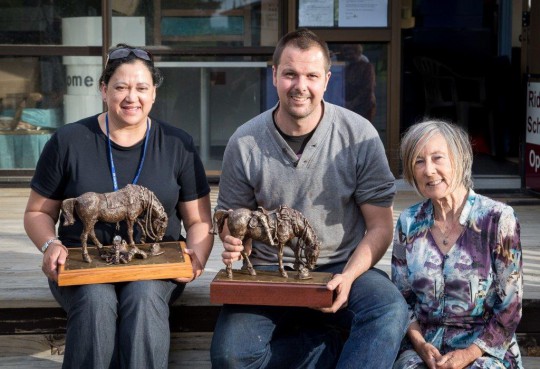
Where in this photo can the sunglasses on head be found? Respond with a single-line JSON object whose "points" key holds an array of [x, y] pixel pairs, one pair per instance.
{"points": [[125, 51]]}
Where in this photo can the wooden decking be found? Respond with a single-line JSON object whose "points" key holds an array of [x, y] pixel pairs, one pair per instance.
{"points": [[31, 323]]}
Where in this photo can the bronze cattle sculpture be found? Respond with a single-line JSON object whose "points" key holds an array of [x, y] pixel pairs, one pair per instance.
{"points": [[132, 204], [276, 228]]}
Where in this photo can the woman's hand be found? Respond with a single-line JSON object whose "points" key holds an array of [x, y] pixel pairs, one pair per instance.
{"points": [[429, 353], [197, 220], [40, 217], [55, 255], [198, 267], [459, 359]]}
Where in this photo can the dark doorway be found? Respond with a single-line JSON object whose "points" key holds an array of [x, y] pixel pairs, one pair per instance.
{"points": [[452, 69]]}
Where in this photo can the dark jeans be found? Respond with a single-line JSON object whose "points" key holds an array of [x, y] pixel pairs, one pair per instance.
{"points": [[284, 337], [123, 325]]}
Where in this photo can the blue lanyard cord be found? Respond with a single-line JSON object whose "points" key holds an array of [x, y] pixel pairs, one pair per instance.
{"points": [[113, 169]]}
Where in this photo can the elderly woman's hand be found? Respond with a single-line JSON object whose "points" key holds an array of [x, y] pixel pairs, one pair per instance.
{"points": [[429, 353], [459, 359]]}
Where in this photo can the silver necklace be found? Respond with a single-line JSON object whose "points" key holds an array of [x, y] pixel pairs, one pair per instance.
{"points": [[446, 234]]}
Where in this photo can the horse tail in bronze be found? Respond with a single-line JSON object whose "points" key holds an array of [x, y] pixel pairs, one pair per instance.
{"points": [[67, 209]]}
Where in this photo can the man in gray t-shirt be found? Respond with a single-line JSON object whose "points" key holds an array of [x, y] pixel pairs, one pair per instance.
{"points": [[328, 163]]}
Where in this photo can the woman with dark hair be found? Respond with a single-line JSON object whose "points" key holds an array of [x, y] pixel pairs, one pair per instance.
{"points": [[120, 325], [456, 259]]}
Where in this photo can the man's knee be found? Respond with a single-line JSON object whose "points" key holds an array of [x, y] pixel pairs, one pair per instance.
{"points": [[394, 310], [226, 355], [379, 299], [221, 357], [398, 306]]}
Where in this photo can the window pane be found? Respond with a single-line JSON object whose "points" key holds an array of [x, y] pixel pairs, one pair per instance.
{"points": [[40, 22], [188, 23], [210, 100], [185, 23], [207, 96], [342, 13]]}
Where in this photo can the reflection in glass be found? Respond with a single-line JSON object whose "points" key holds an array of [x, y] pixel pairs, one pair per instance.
{"points": [[31, 91], [210, 100], [216, 23], [365, 79], [40, 22]]}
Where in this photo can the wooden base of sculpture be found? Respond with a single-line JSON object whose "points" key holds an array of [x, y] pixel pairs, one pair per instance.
{"points": [[173, 263], [270, 288]]}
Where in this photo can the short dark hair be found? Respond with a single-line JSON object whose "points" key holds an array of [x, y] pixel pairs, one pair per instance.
{"points": [[112, 66], [302, 39]]}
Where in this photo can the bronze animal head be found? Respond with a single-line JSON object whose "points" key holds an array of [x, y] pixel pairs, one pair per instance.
{"points": [[311, 252], [160, 226]]}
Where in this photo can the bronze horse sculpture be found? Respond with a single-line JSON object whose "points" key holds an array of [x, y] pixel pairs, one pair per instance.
{"points": [[276, 228], [133, 204]]}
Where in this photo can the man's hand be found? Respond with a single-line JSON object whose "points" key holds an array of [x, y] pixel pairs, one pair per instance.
{"points": [[233, 248], [341, 285]]}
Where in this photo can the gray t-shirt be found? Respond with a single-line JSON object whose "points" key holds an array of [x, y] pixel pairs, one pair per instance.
{"points": [[343, 166]]}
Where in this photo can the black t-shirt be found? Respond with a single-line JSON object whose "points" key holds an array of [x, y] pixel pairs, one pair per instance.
{"points": [[76, 160], [296, 143]]}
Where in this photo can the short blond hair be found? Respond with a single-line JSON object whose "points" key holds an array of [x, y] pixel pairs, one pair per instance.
{"points": [[459, 148]]}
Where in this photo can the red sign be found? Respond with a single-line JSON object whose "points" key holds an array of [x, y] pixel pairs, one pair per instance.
{"points": [[532, 142]]}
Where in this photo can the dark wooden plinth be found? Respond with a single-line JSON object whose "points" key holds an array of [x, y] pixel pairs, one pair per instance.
{"points": [[173, 263], [269, 288]]}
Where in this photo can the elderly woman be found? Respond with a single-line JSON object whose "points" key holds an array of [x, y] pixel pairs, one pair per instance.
{"points": [[120, 325], [456, 260]]}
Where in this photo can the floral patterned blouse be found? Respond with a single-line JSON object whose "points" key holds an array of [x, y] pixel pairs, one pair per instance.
{"points": [[473, 293]]}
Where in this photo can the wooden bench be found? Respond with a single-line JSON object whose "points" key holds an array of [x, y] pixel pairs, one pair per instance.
{"points": [[32, 324]]}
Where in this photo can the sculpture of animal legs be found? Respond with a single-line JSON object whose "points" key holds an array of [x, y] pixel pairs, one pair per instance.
{"points": [[250, 268], [282, 271], [133, 249], [88, 230]]}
